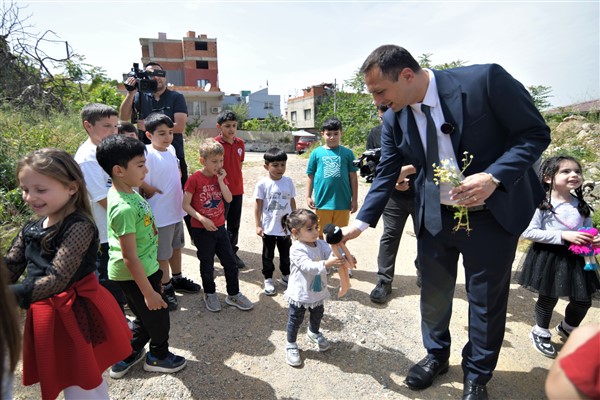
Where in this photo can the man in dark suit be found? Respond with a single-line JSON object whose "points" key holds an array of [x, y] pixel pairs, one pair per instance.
{"points": [[483, 110]]}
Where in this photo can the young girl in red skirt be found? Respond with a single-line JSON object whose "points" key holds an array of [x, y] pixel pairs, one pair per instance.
{"points": [[74, 328]]}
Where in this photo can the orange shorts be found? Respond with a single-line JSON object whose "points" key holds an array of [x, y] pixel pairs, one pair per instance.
{"points": [[336, 217]]}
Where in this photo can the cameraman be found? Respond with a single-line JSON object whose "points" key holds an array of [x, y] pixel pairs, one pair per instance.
{"points": [[163, 100], [400, 205]]}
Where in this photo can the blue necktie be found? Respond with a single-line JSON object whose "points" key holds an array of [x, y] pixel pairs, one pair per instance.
{"points": [[433, 215]]}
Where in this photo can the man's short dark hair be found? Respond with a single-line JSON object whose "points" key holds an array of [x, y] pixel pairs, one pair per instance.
{"points": [[153, 64], [390, 59], [275, 154], [118, 150], [226, 115], [154, 120], [332, 124], [94, 112]]}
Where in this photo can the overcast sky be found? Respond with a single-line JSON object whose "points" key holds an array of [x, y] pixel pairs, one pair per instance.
{"points": [[295, 44]]}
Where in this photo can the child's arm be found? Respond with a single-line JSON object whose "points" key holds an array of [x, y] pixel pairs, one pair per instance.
{"points": [[293, 203], [187, 207], [536, 232], [133, 263], [149, 190], [258, 217], [227, 196], [15, 258], [310, 183], [354, 188]]}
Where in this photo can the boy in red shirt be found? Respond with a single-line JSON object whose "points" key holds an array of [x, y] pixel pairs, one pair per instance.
{"points": [[204, 196], [233, 157]]}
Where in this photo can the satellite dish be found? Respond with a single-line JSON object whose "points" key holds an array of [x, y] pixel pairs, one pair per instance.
{"points": [[207, 87]]}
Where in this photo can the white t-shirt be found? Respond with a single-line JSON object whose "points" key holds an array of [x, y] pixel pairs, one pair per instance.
{"points": [[97, 183], [276, 197], [163, 174]]}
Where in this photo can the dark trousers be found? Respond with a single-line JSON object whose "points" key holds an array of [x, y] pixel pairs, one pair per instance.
{"points": [[233, 216], [396, 212], [208, 244], [283, 244], [180, 153], [297, 316], [488, 253], [574, 313], [111, 286], [148, 326]]}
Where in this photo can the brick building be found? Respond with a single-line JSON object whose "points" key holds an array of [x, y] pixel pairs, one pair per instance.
{"points": [[302, 111]]}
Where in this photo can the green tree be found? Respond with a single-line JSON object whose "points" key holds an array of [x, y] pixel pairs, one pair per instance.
{"points": [[241, 111], [269, 124], [540, 95]]}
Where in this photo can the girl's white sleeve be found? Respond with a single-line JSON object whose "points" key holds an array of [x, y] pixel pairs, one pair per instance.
{"points": [[300, 257], [537, 230]]}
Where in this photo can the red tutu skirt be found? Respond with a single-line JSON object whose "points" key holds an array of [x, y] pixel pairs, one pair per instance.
{"points": [[71, 338]]}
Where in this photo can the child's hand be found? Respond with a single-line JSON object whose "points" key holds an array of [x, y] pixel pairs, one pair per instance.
{"points": [[150, 191], [259, 231], [334, 261], [208, 224], [353, 206], [577, 237], [154, 301], [222, 174], [311, 203]]}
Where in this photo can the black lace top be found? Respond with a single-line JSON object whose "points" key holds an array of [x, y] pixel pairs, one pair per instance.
{"points": [[70, 255]]}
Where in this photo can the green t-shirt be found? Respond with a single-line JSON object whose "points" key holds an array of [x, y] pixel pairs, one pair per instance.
{"points": [[130, 213]]}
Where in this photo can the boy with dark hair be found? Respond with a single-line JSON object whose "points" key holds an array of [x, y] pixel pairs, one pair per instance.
{"points": [[133, 264], [233, 158], [162, 190], [127, 128], [99, 121], [205, 193], [332, 176], [275, 197]]}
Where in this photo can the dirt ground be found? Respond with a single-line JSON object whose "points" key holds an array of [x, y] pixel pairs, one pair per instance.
{"points": [[240, 355]]}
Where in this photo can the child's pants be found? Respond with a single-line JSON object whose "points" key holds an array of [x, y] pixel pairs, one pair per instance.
{"points": [[297, 316], [574, 313], [337, 217], [283, 244]]}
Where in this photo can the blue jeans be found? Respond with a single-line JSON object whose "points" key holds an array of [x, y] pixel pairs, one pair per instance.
{"points": [[297, 316]]}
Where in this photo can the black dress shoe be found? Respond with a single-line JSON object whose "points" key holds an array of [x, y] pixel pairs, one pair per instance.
{"points": [[474, 391], [381, 292], [421, 375]]}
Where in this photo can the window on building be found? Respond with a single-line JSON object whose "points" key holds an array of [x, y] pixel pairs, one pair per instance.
{"points": [[307, 114], [293, 116], [201, 64], [199, 108], [268, 105], [202, 82], [201, 45]]}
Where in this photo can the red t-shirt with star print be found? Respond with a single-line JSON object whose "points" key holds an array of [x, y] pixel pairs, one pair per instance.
{"points": [[207, 198]]}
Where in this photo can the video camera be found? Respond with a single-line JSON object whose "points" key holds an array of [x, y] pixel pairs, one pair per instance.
{"points": [[144, 82], [367, 163]]}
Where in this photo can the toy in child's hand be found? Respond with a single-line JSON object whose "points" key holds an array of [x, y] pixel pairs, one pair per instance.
{"points": [[588, 251], [334, 236]]}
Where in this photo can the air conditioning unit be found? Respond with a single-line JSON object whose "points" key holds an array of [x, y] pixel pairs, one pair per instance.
{"points": [[215, 110]]}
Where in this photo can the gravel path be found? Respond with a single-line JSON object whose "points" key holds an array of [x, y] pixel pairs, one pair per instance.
{"points": [[236, 354]]}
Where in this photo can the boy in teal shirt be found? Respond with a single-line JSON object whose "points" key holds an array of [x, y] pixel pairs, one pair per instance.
{"points": [[332, 176], [133, 244]]}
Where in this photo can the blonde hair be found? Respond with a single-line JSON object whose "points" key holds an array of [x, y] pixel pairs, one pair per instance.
{"points": [[59, 165], [210, 147]]}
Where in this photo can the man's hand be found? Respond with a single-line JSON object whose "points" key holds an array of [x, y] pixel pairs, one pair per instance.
{"points": [[474, 190], [350, 232], [131, 82]]}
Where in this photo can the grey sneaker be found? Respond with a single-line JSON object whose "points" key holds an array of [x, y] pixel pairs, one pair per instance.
{"points": [[284, 280], [319, 340], [270, 288], [561, 331], [212, 302], [543, 345], [292, 355], [240, 301]]}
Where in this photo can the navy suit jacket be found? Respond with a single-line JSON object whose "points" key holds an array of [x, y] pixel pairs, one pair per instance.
{"points": [[495, 120]]}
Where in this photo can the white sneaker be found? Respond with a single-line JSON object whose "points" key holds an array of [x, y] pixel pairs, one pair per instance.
{"points": [[284, 280], [270, 288], [292, 355], [318, 339]]}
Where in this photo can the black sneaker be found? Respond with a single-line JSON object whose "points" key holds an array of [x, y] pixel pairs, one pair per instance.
{"points": [[239, 262], [169, 297], [543, 345], [167, 365], [381, 292], [118, 370], [561, 331], [185, 285]]}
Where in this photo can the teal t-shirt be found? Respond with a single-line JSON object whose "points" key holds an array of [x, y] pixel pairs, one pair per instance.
{"points": [[130, 213], [330, 167]]}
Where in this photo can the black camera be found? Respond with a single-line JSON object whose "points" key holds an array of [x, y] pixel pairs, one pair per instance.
{"points": [[143, 79], [367, 163]]}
